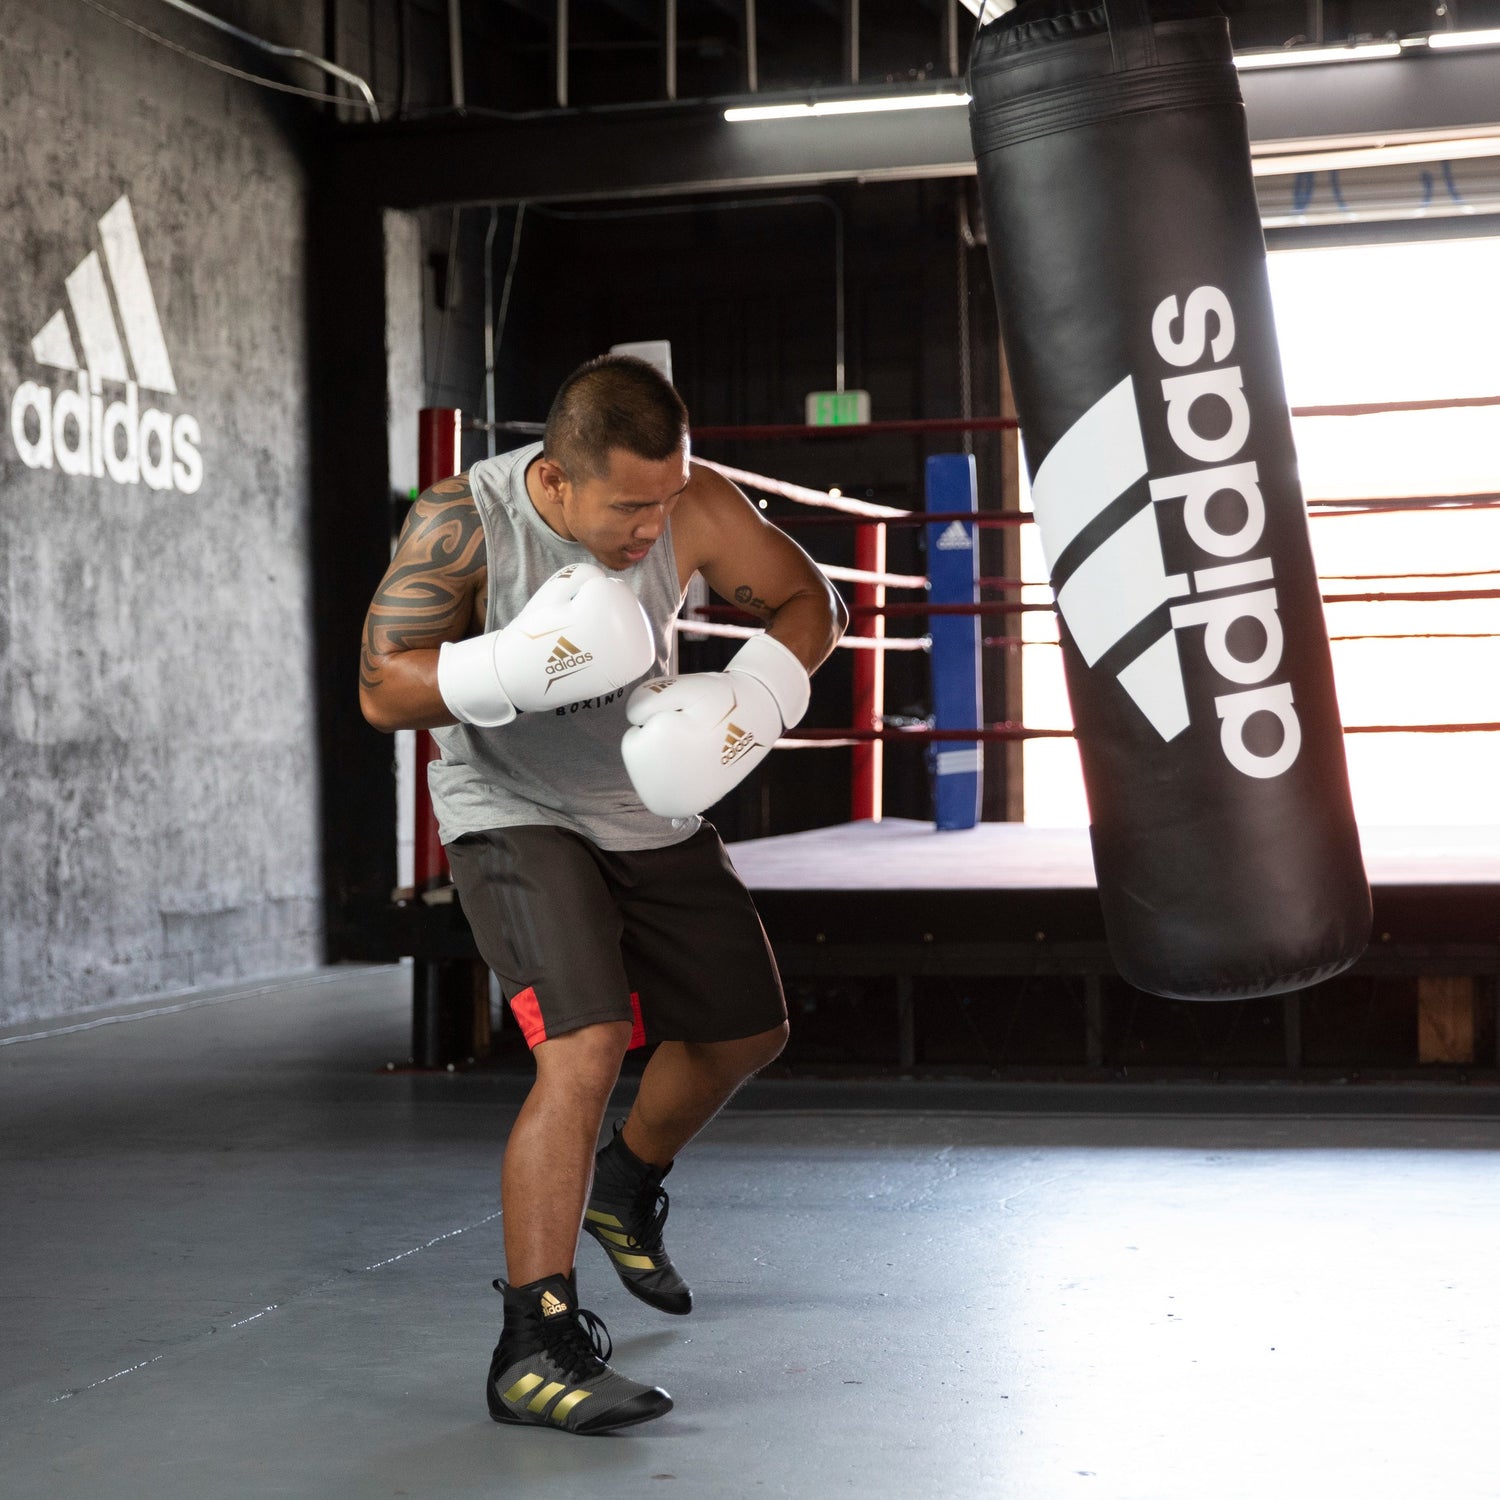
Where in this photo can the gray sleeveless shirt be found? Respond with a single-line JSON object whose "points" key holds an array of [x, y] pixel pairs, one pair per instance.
{"points": [[563, 766]]}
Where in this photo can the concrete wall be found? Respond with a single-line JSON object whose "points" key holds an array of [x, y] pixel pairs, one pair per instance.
{"points": [[158, 813]]}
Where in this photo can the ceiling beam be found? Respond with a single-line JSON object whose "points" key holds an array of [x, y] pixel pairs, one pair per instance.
{"points": [[649, 152]]}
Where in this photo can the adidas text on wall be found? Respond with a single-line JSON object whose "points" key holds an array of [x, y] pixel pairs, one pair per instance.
{"points": [[98, 424]]}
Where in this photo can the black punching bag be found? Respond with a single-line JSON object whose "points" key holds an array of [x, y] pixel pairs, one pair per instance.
{"points": [[1130, 273]]}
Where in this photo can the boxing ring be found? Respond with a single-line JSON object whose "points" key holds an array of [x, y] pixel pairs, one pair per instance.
{"points": [[895, 901], [893, 904]]}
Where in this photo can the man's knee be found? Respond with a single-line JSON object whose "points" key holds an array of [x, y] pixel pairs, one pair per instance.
{"points": [[745, 1055], [585, 1061], [772, 1042]]}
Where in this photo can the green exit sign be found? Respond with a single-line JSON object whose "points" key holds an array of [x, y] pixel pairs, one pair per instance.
{"points": [[837, 408]]}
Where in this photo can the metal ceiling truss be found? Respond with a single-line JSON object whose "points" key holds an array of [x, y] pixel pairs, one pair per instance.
{"points": [[665, 150]]}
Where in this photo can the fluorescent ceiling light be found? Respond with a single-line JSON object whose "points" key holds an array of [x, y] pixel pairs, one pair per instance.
{"points": [[1299, 57], [1404, 154], [845, 106], [1464, 39]]}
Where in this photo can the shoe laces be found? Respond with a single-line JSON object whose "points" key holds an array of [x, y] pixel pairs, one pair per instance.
{"points": [[650, 1212], [579, 1343]]}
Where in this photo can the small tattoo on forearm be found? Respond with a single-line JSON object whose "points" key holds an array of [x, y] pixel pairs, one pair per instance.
{"points": [[744, 596]]}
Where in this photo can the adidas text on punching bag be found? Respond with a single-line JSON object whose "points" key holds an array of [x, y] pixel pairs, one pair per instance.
{"points": [[1129, 269]]}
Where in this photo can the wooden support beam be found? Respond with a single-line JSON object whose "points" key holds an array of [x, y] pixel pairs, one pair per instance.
{"points": [[906, 1021], [1094, 1020], [1445, 1018], [1291, 1031]]}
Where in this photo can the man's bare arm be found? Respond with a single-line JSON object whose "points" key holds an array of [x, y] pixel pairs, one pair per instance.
{"points": [[433, 591], [746, 560]]}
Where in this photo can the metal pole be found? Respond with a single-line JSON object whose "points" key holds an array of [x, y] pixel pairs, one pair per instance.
{"points": [[838, 295], [752, 56], [562, 54], [669, 45], [865, 793], [437, 458], [331, 68], [851, 26], [456, 52], [489, 332], [964, 238], [438, 429]]}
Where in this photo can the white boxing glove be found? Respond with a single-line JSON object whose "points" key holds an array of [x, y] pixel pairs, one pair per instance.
{"points": [[581, 634], [695, 737]]}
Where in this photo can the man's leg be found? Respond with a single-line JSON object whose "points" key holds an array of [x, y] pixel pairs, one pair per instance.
{"points": [[549, 1159], [547, 924], [686, 1084], [547, 1370], [695, 950]]}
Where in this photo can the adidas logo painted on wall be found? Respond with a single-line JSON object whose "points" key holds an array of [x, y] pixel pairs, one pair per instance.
{"points": [[115, 318], [1124, 581]]}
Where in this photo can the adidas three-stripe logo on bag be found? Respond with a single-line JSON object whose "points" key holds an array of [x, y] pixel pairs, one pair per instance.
{"points": [[1123, 581], [84, 429]]}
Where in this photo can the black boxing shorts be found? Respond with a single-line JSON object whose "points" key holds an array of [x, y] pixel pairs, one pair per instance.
{"points": [[667, 939]]}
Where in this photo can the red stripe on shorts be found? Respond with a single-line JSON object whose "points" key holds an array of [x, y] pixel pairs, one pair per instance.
{"points": [[528, 1013], [638, 1026]]}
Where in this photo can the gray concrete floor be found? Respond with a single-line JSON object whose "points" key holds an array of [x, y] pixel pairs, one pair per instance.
{"points": [[240, 1260]]}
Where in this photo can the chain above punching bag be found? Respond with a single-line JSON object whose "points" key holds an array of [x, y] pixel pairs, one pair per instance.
{"points": [[1130, 274]]}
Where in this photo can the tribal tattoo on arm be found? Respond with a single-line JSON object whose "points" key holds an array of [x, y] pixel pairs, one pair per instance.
{"points": [[428, 593]]}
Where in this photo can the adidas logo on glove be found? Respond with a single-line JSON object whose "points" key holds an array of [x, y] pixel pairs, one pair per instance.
{"points": [[737, 742], [693, 738], [565, 658]]}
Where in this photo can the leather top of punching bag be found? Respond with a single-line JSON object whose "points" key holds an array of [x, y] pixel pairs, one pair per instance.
{"points": [[1176, 45], [1042, 23]]}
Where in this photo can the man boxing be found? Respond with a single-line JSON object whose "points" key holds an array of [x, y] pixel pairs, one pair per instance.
{"points": [[523, 601]]}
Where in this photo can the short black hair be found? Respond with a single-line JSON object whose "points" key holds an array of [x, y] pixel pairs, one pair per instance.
{"points": [[614, 401]]}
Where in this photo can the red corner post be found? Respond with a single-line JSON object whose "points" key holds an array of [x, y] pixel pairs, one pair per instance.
{"points": [[869, 678], [437, 458], [450, 997]]}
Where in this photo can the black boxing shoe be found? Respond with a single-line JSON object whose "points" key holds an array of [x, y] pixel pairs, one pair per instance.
{"points": [[550, 1368], [626, 1212]]}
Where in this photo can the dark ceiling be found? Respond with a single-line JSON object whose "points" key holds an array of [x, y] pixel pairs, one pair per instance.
{"points": [[616, 51]]}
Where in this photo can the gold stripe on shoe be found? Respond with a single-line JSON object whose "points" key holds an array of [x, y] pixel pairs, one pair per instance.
{"points": [[635, 1262], [568, 1402], [522, 1388], [618, 1239], [545, 1396]]}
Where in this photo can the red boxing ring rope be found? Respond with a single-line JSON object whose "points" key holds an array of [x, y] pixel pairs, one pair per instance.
{"points": [[869, 581]]}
